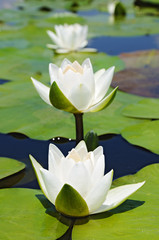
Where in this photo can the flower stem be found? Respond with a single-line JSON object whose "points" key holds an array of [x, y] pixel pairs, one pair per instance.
{"points": [[79, 127]]}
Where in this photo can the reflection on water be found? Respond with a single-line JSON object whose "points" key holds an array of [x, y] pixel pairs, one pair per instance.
{"points": [[121, 156]]}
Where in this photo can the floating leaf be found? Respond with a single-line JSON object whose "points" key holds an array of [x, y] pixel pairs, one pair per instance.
{"points": [[138, 81], [27, 214], [10, 172], [130, 220], [137, 218], [9, 167], [146, 108], [144, 134]]}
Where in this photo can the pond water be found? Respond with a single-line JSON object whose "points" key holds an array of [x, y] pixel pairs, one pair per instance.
{"points": [[121, 156], [118, 45]]}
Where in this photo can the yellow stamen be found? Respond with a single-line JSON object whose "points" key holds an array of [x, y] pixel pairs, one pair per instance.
{"points": [[69, 67]]}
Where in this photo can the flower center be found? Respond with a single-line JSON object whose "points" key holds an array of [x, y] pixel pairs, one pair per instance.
{"points": [[75, 67]]}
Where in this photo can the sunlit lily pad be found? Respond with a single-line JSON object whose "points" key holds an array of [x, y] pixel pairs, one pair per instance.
{"points": [[22, 110], [146, 108], [144, 135], [9, 167], [137, 218], [25, 216], [130, 220]]}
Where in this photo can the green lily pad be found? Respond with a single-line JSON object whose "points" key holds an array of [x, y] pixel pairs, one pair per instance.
{"points": [[137, 218], [144, 135], [146, 108], [22, 110], [9, 167], [25, 216]]}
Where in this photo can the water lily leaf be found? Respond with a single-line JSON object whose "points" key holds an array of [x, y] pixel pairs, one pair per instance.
{"points": [[42, 221], [146, 108], [38, 222], [9, 167], [11, 172], [131, 220], [141, 59], [139, 81], [22, 110], [144, 135]]}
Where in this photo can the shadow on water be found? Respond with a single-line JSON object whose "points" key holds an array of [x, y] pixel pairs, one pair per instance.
{"points": [[110, 45], [120, 155]]}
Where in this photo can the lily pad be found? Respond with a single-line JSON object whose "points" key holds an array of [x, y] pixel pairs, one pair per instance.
{"points": [[141, 59], [9, 167], [139, 81], [130, 220], [137, 218], [22, 110], [146, 108], [25, 217], [144, 135]]}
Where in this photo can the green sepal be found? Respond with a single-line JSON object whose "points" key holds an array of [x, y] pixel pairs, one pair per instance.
{"points": [[108, 100], [58, 99], [70, 203]]}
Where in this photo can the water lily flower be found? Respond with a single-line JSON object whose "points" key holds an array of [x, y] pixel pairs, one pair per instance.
{"points": [[68, 38], [76, 184], [75, 88]]}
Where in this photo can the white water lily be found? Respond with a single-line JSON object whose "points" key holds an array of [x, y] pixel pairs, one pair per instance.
{"points": [[75, 88], [76, 184], [68, 38]]}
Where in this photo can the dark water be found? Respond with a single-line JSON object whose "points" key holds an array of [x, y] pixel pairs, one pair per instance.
{"points": [[2, 81], [118, 45], [121, 156]]}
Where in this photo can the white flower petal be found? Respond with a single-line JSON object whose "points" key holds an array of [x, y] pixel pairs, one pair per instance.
{"points": [[54, 162], [42, 90], [102, 84], [103, 103], [81, 97], [98, 74], [98, 152], [52, 183], [54, 38], [66, 166], [87, 63], [37, 168], [79, 178], [53, 71], [62, 50], [81, 148], [97, 194], [98, 169], [87, 50], [118, 195], [52, 46], [65, 63]]}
